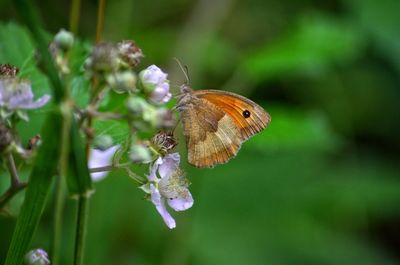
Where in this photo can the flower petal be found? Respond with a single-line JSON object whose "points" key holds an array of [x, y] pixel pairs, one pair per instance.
{"points": [[33, 104], [181, 203], [101, 158], [169, 165], [158, 201], [153, 170]]}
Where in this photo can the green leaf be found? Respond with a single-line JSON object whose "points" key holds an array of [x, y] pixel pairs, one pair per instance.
{"points": [[40, 182], [78, 178]]}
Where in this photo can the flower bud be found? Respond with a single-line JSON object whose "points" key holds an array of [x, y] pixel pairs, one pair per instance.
{"points": [[122, 82], [161, 94], [104, 58], [37, 257], [165, 119], [155, 84], [129, 52], [103, 142], [137, 106], [64, 40], [140, 153]]}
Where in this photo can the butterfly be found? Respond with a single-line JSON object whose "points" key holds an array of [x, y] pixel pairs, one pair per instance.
{"points": [[216, 123]]}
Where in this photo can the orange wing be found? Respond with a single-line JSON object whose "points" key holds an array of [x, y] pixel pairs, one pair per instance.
{"points": [[249, 117]]}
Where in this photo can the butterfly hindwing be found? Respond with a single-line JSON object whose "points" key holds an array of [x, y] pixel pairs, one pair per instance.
{"points": [[211, 135]]}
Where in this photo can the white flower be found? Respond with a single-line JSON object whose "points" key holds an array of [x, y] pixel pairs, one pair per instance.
{"points": [[155, 84], [16, 94], [101, 158], [170, 186]]}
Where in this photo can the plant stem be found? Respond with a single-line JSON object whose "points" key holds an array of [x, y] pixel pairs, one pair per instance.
{"points": [[14, 179], [100, 20], [80, 234], [11, 192], [74, 16], [66, 109], [58, 220], [101, 169], [15, 184]]}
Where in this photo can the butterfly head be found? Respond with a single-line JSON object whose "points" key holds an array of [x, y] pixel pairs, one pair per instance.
{"points": [[185, 88]]}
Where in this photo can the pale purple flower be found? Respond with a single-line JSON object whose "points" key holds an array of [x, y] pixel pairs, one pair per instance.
{"points": [[101, 158], [37, 256], [16, 94], [168, 184], [155, 84]]}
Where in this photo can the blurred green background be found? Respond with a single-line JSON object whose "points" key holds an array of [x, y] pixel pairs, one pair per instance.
{"points": [[320, 186]]}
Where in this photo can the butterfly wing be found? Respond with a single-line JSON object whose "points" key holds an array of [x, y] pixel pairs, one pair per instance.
{"points": [[249, 117], [211, 135]]}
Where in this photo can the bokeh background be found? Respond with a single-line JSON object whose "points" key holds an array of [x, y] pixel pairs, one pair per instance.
{"points": [[320, 186]]}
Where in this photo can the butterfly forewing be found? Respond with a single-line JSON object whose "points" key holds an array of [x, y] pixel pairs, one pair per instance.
{"points": [[247, 115]]}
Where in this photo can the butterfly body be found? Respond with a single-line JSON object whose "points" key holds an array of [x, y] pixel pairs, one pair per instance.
{"points": [[215, 123]]}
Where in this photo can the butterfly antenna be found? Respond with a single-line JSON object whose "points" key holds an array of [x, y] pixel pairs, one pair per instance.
{"points": [[184, 70]]}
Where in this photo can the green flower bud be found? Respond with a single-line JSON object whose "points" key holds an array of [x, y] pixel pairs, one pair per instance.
{"points": [[122, 82], [103, 142], [136, 106], [140, 153], [64, 40]]}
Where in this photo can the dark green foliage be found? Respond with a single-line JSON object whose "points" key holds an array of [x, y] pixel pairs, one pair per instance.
{"points": [[40, 182], [78, 178]]}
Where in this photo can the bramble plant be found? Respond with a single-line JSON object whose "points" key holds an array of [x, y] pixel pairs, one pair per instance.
{"points": [[79, 153]]}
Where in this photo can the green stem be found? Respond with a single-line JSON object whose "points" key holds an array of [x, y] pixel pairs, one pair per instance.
{"points": [[80, 235], [66, 109], [74, 16], [100, 20], [58, 220]]}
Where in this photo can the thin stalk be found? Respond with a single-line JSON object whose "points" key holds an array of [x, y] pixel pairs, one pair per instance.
{"points": [[100, 20], [11, 192], [15, 184], [14, 179], [101, 169], [80, 235], [58, 220], [74, 16]]}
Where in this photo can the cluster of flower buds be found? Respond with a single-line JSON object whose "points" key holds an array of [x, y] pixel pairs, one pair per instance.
{"points": [[114, 67]]}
